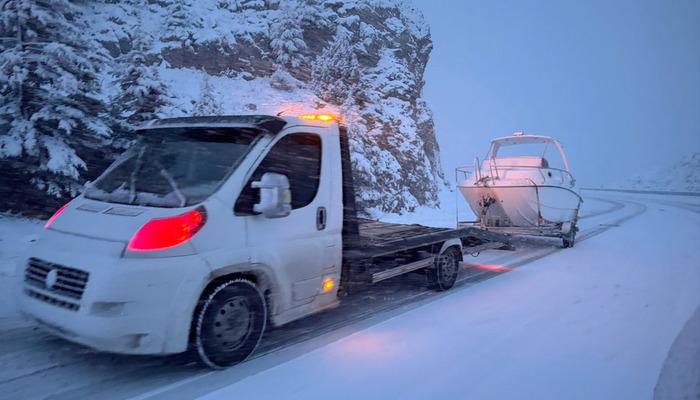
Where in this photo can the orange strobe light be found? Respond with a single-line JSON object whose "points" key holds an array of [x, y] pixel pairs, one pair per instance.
{"points": [[318, 117]]}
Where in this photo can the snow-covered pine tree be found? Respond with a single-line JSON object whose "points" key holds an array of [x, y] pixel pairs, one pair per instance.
{"points": [[287, 36], [142, 94], [51, 116], [208, 104], [231, 5], [180, 24], [335, 73], [252, 5]]}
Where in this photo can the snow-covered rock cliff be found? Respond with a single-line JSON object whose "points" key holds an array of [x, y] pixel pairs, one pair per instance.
{"points": [[362, 59]]}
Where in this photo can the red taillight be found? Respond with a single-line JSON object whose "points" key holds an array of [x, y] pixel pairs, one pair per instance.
{"points": [[161, 233], [56, 214]]}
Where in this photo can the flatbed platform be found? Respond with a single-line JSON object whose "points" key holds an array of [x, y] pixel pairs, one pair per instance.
{"points": [[379, 239]]}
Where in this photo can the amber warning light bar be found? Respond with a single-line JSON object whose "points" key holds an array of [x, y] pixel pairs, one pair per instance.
{"points": [[319, 117]]}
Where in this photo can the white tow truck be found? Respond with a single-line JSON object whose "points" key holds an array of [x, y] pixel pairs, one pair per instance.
{"points": [[210, 229]]}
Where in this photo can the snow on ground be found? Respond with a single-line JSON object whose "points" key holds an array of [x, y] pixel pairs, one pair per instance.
{"points": [[592, 322], [680, 377], [16, 234]]}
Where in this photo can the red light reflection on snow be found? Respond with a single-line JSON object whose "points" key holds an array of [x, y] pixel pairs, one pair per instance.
{"points": [[489, 267], [366, 344], [376, 346]]}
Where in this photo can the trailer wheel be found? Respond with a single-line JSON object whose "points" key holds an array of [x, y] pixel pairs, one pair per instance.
{"points": [[230, 323], [444, 273], [570, 238]]}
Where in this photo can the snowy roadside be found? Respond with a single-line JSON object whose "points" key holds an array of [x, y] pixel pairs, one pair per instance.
{"points": [[16, 234], [680, 376]]}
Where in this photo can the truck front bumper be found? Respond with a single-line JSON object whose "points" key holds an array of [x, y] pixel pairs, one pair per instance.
{"points": [[102, 300]]}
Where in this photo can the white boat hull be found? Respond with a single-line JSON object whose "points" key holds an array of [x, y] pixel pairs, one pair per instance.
{"points": [[522, 206]]}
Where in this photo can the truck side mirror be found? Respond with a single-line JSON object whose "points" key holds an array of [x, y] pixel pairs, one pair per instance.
{"points": [[275, 196]]}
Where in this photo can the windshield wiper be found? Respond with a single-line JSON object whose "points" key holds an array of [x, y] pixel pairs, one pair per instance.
{"points": [[173, 184], [132, 178]]}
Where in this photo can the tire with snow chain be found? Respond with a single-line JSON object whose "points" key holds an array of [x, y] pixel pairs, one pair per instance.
{"points": [[230, 323], [444, 273]]}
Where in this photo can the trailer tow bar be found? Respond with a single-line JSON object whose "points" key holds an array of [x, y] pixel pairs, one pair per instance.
{"points": [[475, 250]]}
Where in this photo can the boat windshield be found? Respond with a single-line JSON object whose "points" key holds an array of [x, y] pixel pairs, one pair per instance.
{"points": [[173, 167], [547, 151]]}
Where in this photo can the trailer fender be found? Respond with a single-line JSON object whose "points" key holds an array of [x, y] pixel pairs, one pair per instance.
{"points": [[449, 243]]}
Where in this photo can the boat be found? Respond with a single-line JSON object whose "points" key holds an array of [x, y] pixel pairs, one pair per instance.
{"points": [[523, 186]]}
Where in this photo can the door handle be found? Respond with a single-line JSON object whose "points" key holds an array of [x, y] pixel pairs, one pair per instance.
{"points": [[321, 218]]}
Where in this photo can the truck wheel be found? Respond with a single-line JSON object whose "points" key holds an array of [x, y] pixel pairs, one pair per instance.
{"points": [[444, 274], [230, 323]]}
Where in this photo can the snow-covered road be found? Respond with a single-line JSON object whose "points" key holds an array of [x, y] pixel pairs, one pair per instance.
{"points": [[601, 320]]}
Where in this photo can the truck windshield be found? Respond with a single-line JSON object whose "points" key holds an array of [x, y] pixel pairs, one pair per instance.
{"points": [[173, 167]]}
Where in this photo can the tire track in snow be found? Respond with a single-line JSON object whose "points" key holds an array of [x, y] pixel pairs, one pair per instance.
{"points": [[616, 205], [690, 207]]}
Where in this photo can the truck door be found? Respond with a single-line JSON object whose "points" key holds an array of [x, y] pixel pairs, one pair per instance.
{"points": [[294, 245]]}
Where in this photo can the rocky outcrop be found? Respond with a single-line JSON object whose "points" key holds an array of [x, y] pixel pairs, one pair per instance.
{"points": [[362, 59]]}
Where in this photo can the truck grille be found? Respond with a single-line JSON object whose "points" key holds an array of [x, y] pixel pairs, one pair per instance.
{"points": [[52, 300], [69, 283]]}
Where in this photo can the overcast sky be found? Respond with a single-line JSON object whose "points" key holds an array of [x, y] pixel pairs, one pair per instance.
{"points": [[618, 82]]}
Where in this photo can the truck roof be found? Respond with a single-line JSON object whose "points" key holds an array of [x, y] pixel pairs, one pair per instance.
{"points": [[269, 123]]}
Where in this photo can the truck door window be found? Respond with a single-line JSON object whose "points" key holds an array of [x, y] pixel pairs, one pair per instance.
{"points": [[298, 156]]}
